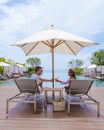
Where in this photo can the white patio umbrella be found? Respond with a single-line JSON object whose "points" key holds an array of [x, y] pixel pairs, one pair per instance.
{"points": [[92, 66], [55, 41], [4, 64], [83, 67], [20, 65]]}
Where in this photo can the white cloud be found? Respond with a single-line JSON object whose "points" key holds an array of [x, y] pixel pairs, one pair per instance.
{"points": [[23, 19], [4, 1], [78, 17], [17, 17]]}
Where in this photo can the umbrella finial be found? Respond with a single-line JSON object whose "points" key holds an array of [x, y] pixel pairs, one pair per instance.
{"points": [[52, 25]]}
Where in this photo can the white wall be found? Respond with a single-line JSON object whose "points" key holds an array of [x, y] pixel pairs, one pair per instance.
{"points": [[98, 68], [102, 70], [6, 68], [91, 71], [21, 69], [14, 69]]}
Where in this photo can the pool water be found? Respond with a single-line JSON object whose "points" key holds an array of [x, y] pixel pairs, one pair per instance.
{"points": [[60, 75], [97, 83]]}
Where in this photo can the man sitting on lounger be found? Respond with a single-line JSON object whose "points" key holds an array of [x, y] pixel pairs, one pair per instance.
{"points": [[37, 76]]}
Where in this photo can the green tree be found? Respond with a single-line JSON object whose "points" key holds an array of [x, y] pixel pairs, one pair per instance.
{"points": [[23, 64], [1, 69], [33, 61], [77, 63], [2, 59], [98, 57], [12, 62]]}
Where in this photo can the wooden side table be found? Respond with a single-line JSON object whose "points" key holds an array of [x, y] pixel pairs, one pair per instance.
{"points": [[46, 90]]}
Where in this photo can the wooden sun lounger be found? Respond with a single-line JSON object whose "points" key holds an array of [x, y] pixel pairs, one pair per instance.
{"points": [[78, 94], [28, 93]]}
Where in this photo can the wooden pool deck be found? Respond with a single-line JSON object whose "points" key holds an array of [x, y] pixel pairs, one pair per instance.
{"points": [[21, 116]]}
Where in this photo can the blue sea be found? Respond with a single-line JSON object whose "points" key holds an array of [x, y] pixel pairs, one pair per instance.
{"points": [[60, 74]]}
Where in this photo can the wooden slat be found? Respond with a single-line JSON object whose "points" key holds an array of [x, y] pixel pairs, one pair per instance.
{"points": [[24, 45], [79, 44], [59, 43], [31, 49], [70, 48], [21, 117], [47, 44]]}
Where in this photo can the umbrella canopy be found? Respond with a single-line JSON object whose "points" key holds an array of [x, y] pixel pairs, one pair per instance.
{"points": [[53, 40], [83, 67], [4, 64], [92, 66], [61, 41], [19, 65]]}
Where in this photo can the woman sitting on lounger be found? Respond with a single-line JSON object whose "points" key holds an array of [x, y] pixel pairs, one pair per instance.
{"points": [[71, 74]]}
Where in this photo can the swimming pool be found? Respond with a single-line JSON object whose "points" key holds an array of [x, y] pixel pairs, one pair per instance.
{"points": [[62, 76], [97, 83]]}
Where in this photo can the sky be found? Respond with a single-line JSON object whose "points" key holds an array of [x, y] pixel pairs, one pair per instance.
{"points": [[22, 18]]}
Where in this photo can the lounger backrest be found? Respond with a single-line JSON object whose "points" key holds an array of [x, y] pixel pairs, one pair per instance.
{"points": [[27, 85], [80, 86]]}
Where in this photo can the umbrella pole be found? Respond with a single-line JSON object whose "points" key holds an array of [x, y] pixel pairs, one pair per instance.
{"points": [[53, 67]]}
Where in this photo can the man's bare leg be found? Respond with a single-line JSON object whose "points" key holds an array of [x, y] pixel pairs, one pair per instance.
{"points": [[41, 85]]}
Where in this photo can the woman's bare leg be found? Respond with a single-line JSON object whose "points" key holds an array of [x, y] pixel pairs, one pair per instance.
{"points": [[67, 89]]}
